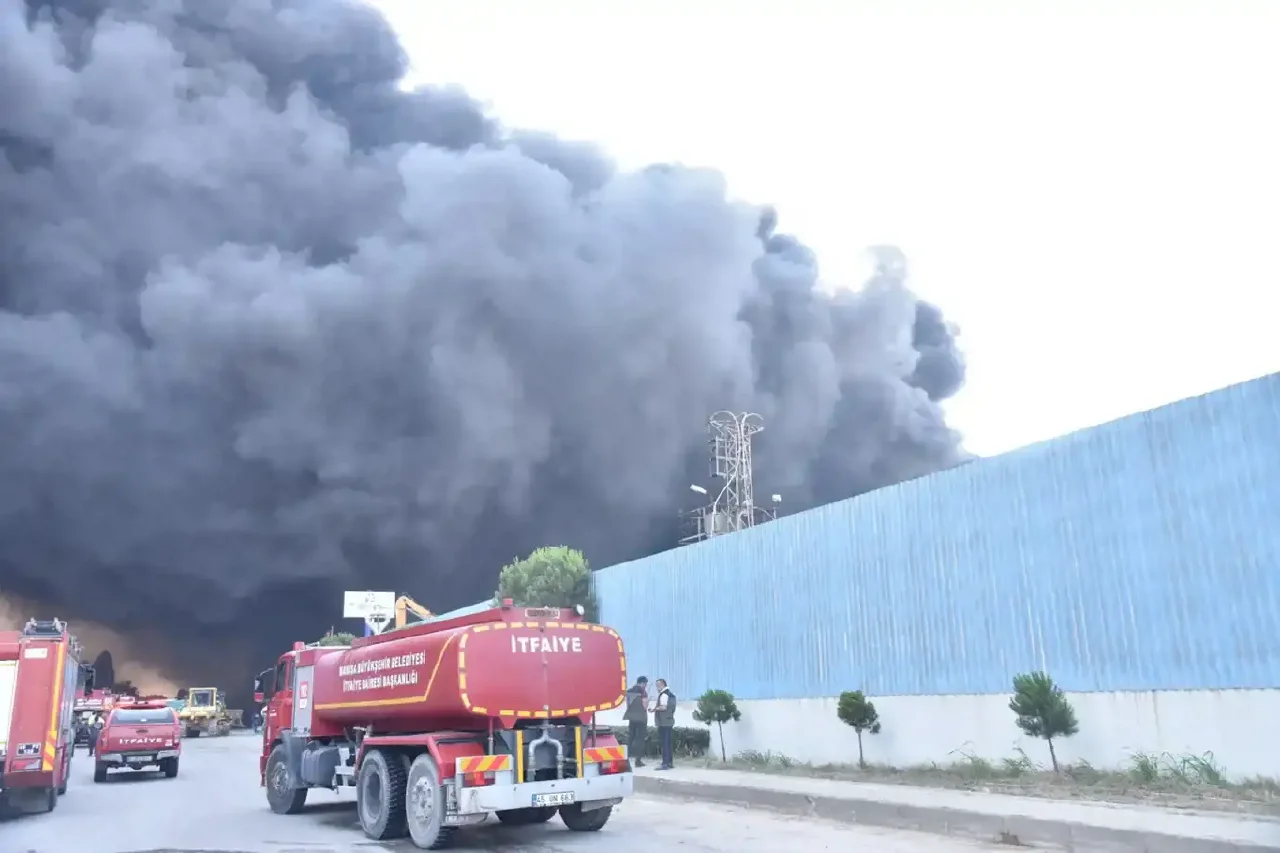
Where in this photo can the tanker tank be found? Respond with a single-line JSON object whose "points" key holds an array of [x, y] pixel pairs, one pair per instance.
{"points": [[434, 676]]}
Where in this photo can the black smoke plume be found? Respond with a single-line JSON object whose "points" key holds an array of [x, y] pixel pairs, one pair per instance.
{"points": [[272, 327]]}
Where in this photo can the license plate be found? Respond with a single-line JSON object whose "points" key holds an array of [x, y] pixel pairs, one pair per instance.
{"points": [[141, 759], [559, 799]]}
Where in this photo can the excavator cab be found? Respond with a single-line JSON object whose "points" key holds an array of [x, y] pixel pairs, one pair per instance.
{"points": [[205, 712], [201, 697]]}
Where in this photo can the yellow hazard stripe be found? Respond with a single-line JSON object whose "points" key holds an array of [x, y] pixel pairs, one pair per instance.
{"points": [[484, 763], [596, 754], [519, 754], [51, 738], [577, 748]]}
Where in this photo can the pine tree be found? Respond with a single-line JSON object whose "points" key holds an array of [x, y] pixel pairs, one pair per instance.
{"points": [[1043, 710]]}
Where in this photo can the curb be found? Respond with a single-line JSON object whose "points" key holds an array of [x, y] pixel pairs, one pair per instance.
{"points": [[1013, 830]]}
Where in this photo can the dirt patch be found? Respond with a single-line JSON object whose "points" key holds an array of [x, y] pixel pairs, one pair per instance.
{"points": [[1181, 782]]}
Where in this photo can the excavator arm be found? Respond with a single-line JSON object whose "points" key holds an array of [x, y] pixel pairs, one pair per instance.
{"points": [[406, 605]]}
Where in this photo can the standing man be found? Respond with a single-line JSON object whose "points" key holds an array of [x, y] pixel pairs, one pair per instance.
{"points": [[95, 730], [664, 717], [637, 717]]}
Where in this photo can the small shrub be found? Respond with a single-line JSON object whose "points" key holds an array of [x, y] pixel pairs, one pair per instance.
{"points": [[1042, 710], [341, 638], [1144, 767], [1196, 769], [686, 742], [1021, 765], [855, 710], [719, 707], [973, 766]]}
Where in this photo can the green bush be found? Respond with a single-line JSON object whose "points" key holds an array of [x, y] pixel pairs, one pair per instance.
{"points": [[686, 741]]}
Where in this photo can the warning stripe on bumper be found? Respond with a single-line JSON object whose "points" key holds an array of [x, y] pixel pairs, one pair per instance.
{"points": [[596, 754], [484, 763]]}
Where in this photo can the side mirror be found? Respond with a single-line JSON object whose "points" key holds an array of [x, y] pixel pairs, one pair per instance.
{"points": [[88, 677]]}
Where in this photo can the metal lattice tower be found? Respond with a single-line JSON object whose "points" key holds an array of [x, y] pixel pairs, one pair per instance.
{"points": [[733, 507]]}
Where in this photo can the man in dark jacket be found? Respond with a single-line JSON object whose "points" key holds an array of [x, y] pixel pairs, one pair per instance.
{"points": [[637, 717], [664, 717]]}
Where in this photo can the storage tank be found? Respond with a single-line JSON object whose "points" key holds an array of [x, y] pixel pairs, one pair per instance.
{"points": [[426, 677]]}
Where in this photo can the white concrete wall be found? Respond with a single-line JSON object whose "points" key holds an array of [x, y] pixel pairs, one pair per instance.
{"points": [[1237, 726]]}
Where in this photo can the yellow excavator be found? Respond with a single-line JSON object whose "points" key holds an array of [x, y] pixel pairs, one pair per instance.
{"points": [[205, 712], [405, 606]]}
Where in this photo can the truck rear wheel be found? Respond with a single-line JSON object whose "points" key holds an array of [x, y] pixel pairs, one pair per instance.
{"points": [[425, 806], [525, 817], [170, 768], [380, 789], [589, 821], [66, 773], [99, 771], [281, 795]]}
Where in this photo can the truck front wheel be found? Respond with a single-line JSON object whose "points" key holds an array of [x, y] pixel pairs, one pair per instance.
{"points": [[380, 789], [281, 795], [425, 806], [589, 821]]}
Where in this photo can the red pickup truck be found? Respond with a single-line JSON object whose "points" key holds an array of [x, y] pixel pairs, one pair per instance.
{"points": [[137, 737]]}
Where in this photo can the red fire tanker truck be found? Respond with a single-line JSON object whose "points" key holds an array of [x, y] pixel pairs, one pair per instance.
{"points": [[438, 724], [39, 672]]}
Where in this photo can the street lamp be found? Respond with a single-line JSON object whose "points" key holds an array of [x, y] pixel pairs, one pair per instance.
{"points": [[698, 489]]}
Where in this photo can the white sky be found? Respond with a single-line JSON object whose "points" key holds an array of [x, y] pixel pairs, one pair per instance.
{"points": [[1094, 197]]}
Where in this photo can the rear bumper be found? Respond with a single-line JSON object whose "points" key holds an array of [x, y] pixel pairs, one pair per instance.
{"points": [[23, 779], [136, 759], [595, 790]]}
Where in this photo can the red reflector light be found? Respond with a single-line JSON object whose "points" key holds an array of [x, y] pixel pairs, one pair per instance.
{"points": [[610, 767], [477, 780]]}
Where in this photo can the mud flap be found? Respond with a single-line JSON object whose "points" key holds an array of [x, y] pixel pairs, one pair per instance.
{"points": [[293, 758]]}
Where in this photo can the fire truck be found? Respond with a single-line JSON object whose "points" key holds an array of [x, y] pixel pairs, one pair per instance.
{"points": [[438, 724], [40, 670]]}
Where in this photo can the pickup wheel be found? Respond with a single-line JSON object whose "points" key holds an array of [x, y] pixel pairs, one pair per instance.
{"points": [[380, 788], [99, 771], [525, 817], [590, 821], [281, 795], [169, 767], [425, 806]]}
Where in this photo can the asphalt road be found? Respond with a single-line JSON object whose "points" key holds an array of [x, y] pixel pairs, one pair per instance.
{"points": [[216, 806]]}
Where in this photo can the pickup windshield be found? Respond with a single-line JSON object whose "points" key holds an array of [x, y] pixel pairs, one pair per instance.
{"points": [[143, 717]]}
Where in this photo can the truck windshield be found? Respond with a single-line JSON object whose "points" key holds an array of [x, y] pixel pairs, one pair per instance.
{"points": [[200, 699], [144, 717]]}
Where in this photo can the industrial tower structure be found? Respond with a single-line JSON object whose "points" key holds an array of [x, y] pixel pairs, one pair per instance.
{"points": [[733, 506]]}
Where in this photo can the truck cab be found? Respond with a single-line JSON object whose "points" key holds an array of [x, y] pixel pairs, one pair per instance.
{"points": [[139, 736]]}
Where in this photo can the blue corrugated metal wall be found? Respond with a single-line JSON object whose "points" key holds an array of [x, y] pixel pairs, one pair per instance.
{"points": [[1140, 555]]}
